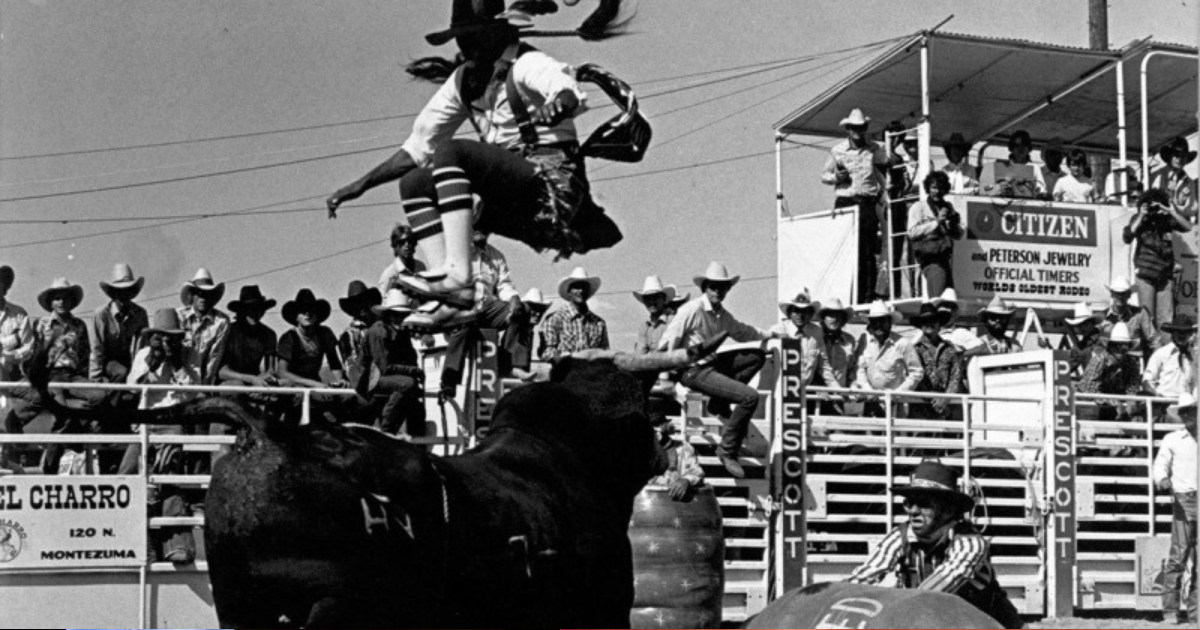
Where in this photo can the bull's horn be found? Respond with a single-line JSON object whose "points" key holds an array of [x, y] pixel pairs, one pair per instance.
{"points": [[671, 359]]}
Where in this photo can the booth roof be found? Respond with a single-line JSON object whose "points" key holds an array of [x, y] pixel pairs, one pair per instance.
{"points": [[987, 88]]}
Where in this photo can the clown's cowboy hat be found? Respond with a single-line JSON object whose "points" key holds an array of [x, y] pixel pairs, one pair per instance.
{"points": [[716, 272], [578, 275], [1082, 313], [653, 286], [358, 296], [202, 283], [305, 301], [123, 283], [72, 292], [802, 301], [250, 296], [934, 479]]}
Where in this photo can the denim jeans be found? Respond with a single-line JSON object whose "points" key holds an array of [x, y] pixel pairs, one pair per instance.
{"points": [[724, 380], [1183, 546]]}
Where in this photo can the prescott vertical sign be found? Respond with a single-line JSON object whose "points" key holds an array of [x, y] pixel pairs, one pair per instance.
{"points": [[1032, 250], [791, 488]]}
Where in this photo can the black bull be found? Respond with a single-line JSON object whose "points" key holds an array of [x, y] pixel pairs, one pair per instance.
{"points": [[341, 526], [841, 605]]}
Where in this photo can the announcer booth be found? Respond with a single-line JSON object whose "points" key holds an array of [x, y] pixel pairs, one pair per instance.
{"points": [[1067, 502]]}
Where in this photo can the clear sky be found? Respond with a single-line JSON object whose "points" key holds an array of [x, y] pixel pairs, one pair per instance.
{"points": [[81, 75]]}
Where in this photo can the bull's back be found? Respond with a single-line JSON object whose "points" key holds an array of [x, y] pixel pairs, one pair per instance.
{"points": [[842, 605]]}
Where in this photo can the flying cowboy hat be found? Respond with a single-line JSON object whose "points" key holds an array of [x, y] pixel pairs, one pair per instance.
{"points": [[60, 286], [716, 272], [1178, 146], [997, 307], [1083, 312], [653, 286], [578, 275], [123, 283], [880, 310], [394, 302], [250, 296], [802, 301], [305, 301], [932, 478], [358, 296], [203, 283]]}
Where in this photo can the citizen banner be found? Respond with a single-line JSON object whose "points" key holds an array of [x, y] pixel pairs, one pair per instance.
{"points": [[76, 522], [1034, 251]]}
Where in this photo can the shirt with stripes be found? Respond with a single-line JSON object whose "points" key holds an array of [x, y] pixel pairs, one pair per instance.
{"points": [[961, 562]]}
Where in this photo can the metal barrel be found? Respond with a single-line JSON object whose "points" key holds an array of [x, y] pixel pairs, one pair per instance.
{"points": [[678, 560]]}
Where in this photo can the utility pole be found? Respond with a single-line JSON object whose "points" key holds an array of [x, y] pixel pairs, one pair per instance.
{"points": [[1098, 40]]}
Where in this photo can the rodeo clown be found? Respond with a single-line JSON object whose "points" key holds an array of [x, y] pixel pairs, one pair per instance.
{"points": [[939, 549], [524, 178]]}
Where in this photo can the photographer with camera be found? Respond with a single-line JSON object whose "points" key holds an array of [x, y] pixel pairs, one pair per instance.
{"points": [[1154, 254]]}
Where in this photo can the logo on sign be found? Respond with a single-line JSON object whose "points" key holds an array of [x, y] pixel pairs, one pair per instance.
{"points": [[1032, 224], [12, 537]]}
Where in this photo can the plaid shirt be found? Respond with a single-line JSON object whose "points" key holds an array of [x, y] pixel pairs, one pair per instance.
{"points": [[943, 367], [566, 331], [204, 344], [67, 339], [1105, 374], [16, 340]]}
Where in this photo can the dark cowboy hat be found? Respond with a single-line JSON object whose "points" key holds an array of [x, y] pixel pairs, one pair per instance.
{"points": [[928, 311], [595, 229], [202, 283], [250, 296], [1181, 323], [306, 301], [166, 321], [471, 17], [7, 277], [932, 478], [1021, 136], [123, 283], [358, 296], [957, 140], [60, 286], [1178, 146]]}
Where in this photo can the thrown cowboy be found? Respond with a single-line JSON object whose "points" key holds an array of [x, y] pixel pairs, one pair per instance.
{"points": [[574, 327], [939, 548], [527, 167], [724, 377]]}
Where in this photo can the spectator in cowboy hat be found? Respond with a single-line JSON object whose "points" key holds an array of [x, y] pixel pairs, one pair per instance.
{"points": [[308, 345], [855, 168], [1175, 472], [404, 247], [655, 297], [116, 326], [961, 338], [65, 337], [401, 382], [939, 549], [672, 306], [574, 327], [943, 366], [722, 377], [1113, 371], [1174, 180], [1153, 227], [352, 342], [798, 324], [17, 342], [536, 305], [207, 328], [1083, 335], [887, 361], [1016, 176], [838, 350], [964, 180], [996, 317], [250, 348], [1136, 319], [1053, 154], [1171, 370]]}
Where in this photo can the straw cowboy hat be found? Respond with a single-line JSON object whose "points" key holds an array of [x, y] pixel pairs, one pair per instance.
{"points": [[1120, 334], [1120, 284], [1180, 323], [1055, 145], [358, 296], [60, 286], [679, 299], [578, 275], [928, 312], [166, 322], [1186, 401], [856, 117], [394, 302], [716, 272], [305, 301], [1083, 312], [202, 282], [997, 307], [957, 141], [834, 306], [947, 301], [934, 479], [534, 300], [250, 296], [123, 283], [653, 286], [1178, 146], [879, 309], [802, 301]]}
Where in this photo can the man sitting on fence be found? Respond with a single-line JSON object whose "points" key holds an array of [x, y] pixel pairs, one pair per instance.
{"points": [[839, 351], [939, 549], [1175, 472], [401, 382]]}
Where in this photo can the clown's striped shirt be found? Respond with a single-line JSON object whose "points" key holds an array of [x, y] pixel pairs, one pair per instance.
{"points": [[963, 560]]}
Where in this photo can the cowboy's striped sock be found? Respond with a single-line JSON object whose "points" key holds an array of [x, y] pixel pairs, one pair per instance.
{"points": [[423, 217], [453, 189]]}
